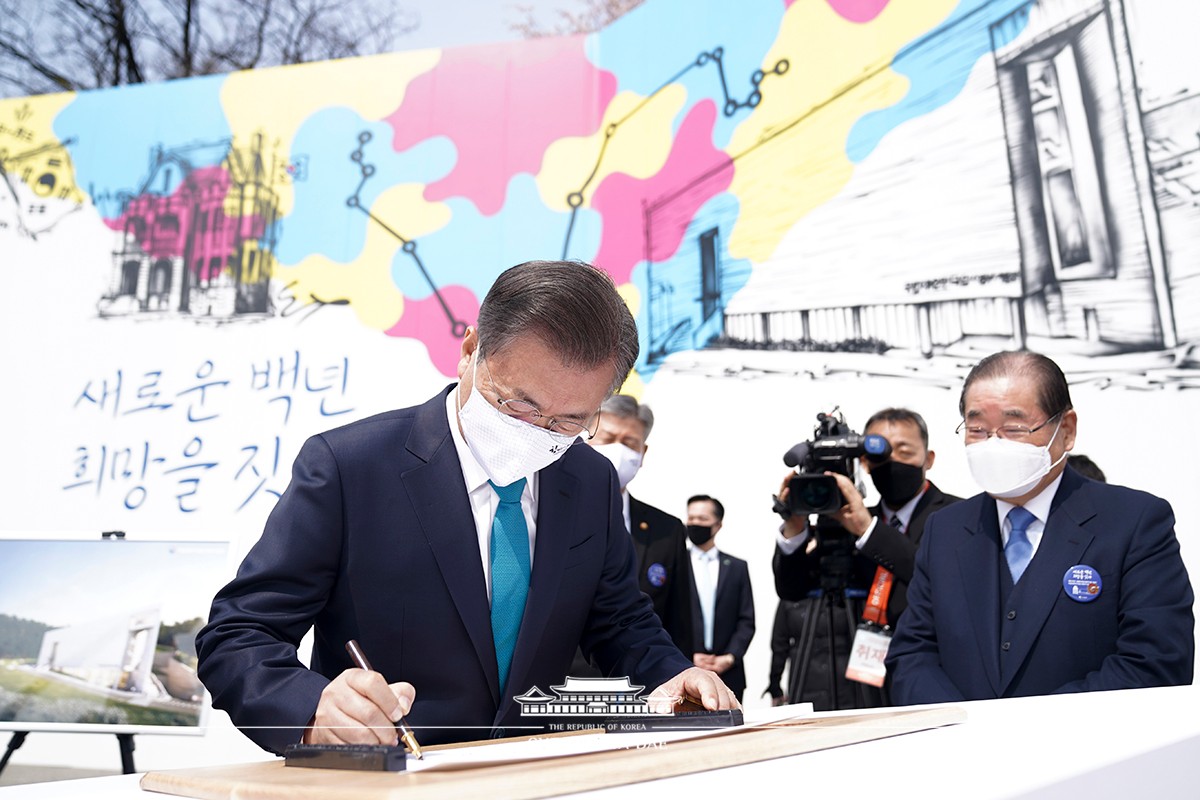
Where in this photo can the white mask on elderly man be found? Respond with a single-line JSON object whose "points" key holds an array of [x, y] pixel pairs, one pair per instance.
{"points": [[1007, 468], [625, 459], [507, 448]]}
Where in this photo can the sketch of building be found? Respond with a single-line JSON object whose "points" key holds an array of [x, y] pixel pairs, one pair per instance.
{"points": [[1075, 212], [199, 240]]}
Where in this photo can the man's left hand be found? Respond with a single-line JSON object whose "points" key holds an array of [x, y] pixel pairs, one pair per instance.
{"points": [[696, 683]]}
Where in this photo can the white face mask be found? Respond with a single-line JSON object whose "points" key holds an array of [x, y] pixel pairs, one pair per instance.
{"points": [[507, 448], [626, 460], [1006, 468]]}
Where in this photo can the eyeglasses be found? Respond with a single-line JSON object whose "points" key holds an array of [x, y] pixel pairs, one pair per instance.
{"points": [[564, 431], [978, 433]]}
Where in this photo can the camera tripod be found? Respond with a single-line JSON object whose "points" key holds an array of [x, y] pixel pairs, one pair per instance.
{"points": [[828, 618]]}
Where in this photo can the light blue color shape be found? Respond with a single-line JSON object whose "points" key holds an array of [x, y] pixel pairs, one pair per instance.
{"points": [[116, 132], [660, 39], [321, 221], [680, 276], [473, 249], [937, 65]]}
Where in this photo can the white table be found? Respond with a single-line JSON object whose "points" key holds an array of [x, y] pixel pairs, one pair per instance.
{"points": [[1099, 745]]}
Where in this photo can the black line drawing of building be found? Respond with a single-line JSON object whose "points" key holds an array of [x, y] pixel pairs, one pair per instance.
{"points": [[1097, 247], [607, 697], [206, 248]]}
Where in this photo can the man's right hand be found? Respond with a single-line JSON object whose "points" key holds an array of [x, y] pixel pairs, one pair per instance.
{"points": [[854, 516], [360, 707]]}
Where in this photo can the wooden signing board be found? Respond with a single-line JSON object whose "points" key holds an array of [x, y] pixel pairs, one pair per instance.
{"points": [[270, 780]]}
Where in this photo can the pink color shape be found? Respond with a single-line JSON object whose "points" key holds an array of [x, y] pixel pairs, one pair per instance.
{"points": [[502, 105], [190, 220], [858, 10], [426, 320], [693, 163]]}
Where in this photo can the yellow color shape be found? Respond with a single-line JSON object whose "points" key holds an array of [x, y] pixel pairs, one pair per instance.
{"points": [[277, 101], [637, 146], [633, 386], [366, 282], [790, 153], [31, 149], [632, 297]]}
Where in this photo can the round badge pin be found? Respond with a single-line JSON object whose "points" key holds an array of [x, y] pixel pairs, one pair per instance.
{"points": [[1082, 583], [656, 574]]}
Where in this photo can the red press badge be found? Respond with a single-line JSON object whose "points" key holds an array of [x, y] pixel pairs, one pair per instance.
{"points": [[872, 638]]}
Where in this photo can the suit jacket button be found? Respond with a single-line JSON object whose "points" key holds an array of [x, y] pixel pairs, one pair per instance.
{"points": [[1006, 645], [1012, 615]]}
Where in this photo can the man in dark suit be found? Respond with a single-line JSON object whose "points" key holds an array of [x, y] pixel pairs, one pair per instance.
{"points": [[722, 603], [465, 544], [885, 540], [1047, 582], [659, 539]]}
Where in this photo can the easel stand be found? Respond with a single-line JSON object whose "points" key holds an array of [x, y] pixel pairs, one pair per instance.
{"points": [[124, 742]]}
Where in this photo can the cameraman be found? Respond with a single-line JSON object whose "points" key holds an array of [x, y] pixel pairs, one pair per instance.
{"points": [[884, 548]]}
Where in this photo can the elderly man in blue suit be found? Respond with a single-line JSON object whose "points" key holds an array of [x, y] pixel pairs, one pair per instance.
{"points": [[1048, 582], [464, 543]]}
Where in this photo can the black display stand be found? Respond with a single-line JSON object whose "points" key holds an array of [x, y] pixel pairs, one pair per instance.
{"points": [[124, 742]]}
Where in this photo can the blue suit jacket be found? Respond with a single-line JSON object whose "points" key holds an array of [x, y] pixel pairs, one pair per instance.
{"points": [[969, 634], [374, 540]]}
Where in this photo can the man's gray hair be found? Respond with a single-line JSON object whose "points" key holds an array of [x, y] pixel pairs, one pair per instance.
{"points": [[623, 406], [571, 306]]}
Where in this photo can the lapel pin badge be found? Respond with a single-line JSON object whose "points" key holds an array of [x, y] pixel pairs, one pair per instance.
{"points": [[1082, 583]]}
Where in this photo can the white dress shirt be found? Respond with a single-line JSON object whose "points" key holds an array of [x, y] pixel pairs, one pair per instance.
{"points": [[484, 500], [1040, 508], [905, 513], [706, 568]]}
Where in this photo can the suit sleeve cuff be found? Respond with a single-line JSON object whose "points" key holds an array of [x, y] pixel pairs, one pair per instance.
{"points": [[789, 546], [861, 542]]}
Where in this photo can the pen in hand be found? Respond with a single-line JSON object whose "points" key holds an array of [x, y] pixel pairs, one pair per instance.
{"points": [[406, 733]]}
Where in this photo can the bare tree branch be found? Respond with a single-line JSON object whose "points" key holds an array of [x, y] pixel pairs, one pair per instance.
{"points": [[57, 45], [596, 14]]}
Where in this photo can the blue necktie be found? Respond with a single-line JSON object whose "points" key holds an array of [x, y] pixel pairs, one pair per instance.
{"points": [[510, 573], [1018, 551]]}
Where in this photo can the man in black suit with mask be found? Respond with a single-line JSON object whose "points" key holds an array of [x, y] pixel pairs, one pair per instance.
{"points": [[722, 601], [885, 546], [659, 538]]}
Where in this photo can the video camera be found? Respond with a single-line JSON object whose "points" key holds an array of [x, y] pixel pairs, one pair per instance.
{"points": [[833, 448]]}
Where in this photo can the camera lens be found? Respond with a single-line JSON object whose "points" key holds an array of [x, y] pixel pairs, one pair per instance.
{"points": [[817, 494]]}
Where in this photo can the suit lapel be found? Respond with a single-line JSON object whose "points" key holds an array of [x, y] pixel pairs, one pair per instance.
{"points": [[931, 501], [979, 569], [1063, 544], [724, 565], [641, 537], [438, 494]]}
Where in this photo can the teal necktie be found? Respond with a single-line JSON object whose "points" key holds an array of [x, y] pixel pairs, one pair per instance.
{"points": [[1019, 550], [510, 573]]}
